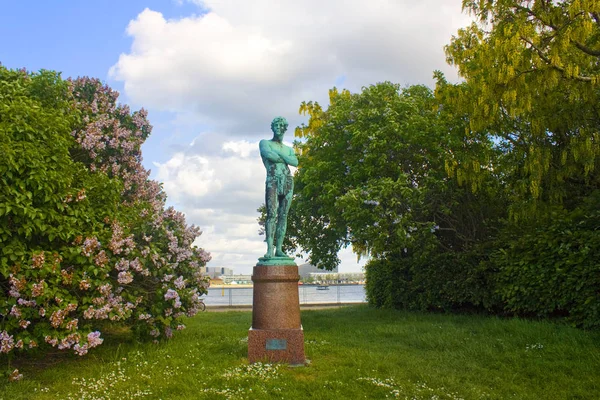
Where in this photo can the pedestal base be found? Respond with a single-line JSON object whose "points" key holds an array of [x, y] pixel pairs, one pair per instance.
{"points": [[276, 334], [276, 345]]}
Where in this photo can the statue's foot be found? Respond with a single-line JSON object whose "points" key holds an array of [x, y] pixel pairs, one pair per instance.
{"points": [[269, 254], [280, 253]]}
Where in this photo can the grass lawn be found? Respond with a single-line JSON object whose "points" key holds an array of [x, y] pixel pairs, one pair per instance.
{"points": [[355, 353]]}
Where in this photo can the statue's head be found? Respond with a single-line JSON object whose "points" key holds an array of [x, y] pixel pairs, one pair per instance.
{"points": [[279, 125]]}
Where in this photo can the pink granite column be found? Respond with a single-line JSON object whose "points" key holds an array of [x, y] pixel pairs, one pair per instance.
{"points": [[276, 334]]}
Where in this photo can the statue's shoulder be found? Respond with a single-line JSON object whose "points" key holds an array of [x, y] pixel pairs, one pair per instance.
{"points": [[264, 143]]}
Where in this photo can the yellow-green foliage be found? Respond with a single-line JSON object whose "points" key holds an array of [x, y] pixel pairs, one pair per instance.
{"points": [[533, 74]]}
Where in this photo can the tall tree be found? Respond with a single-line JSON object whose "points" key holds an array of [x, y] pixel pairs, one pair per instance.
{"points": [[372, 175], [533, 81]]}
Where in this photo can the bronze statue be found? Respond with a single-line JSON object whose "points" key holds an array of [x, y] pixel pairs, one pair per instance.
{"points": [[279, 187]]}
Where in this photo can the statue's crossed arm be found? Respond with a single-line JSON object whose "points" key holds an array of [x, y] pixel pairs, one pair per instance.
{"points": [[283, 154]]}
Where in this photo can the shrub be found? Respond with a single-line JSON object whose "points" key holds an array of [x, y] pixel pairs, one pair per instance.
{"points": [[439, 281], [85, 238], [553, 268]]}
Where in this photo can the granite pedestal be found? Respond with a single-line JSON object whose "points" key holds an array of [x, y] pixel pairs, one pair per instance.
{"points": [[276, 334]]}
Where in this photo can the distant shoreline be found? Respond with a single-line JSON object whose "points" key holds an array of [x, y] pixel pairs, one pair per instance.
{"points": [[230, 286], [220, 286]]}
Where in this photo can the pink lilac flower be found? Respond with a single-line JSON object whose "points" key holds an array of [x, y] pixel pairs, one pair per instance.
{"points": [[66, 276], [37, 289], [81, 195], [89, 245], [71, 307], [84, 284], [204, 256], [116, 242], [171, 294], [57, 318], [129, 244], [80, 350], [72, 325], [15, 376], [136, 265], [101, 259], [26, 303], [94, 339], [51, 341], [15, 312], [6, 342], [125, 277], [122, 265], [38, 260], [89, 313], [179, 283], [105, 289], [168, 332]]}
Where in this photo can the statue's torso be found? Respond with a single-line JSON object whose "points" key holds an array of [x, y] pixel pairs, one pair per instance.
{"points": [[279, 174]]}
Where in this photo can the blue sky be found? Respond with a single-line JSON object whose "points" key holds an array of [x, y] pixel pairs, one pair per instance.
{"points": [[82, 38], [214, 73], [77, 37]]}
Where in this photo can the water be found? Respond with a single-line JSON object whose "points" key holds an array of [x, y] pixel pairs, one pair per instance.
{"points": [[308, 294]]}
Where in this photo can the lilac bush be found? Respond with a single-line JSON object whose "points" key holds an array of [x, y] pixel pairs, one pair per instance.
{"points": [[86, 238]]}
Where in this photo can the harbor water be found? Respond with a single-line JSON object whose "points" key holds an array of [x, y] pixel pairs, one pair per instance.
{"points": [[308, 294]]}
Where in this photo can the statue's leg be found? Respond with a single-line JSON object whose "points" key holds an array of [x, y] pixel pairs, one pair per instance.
{"points": [[271, 203], [282, 214]]}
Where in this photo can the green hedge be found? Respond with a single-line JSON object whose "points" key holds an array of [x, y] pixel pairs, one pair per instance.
{"points": [[544, 270], [446, 281], [555, 268]]}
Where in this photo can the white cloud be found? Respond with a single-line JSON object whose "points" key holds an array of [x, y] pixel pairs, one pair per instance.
{"points": [[242, 148], [220, 192], [243, 62], [224, 73]]}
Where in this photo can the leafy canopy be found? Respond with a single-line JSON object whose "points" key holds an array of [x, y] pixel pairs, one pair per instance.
{"points": [[533, 81]]}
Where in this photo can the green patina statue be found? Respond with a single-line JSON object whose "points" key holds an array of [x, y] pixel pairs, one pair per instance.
{"points": [[278, 192]]}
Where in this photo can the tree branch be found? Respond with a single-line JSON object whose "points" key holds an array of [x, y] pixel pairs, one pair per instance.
{"points": [[580, 46], [547, 61], [585, 49]]}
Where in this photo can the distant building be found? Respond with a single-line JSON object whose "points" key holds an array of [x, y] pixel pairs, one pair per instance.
{"points": [[215, 272], [305, 270], [334, 277]]}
